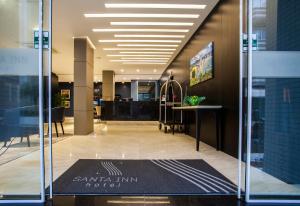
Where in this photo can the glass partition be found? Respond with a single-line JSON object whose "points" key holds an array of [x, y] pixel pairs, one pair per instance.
{"points": [[20, 112], [275, 91]]}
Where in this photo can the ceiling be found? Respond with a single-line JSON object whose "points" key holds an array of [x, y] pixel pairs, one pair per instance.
{"points": [[69, 21]]}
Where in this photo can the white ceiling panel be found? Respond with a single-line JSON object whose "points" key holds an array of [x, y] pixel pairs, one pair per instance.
{"points": [[147, 31]]}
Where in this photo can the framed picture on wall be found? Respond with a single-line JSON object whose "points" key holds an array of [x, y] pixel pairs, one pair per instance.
{"points": [[67, 104], [66, 93], [202, 65]]}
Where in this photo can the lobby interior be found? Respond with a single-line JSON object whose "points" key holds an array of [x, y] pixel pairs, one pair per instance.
{"points": [[117, 69]]}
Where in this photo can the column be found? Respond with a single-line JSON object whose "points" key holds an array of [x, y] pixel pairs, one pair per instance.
{"points": [[108, 85], [83, 87], [134, 90]]}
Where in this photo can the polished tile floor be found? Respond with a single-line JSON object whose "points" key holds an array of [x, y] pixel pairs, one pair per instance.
{"points": [[125, 140], [151, 201]]}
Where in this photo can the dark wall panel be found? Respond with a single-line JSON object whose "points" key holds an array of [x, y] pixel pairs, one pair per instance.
{"points": [[222, 28], [123, 89]]}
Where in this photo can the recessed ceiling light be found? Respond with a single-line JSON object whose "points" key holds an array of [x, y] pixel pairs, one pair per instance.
{"points": [[122, 70], [126, 52], [154, 70], [142, 30], [147, 36], [137, 60], [157, 6], [87, 38], [143, 58], [141, 63], [148, 45], [139, 49], [139, 23], [139, 40], [137, 70], [137, 55], [141, 15]]}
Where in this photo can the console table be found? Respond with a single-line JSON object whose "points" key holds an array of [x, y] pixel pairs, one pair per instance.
{"points": [[214, 108]]}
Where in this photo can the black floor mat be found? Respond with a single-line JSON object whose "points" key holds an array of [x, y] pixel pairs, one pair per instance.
{"points": [[142, 177]]}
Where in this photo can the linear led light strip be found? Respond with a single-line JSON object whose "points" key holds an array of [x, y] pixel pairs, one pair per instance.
{"points": [[87, 38], [144, 58], [142, 30], [139, 49], [141, 23], [147, 36], [158, 6], [126, 52], [141, 202], [138, 40], [147, 45], [137, 60], [135, 55], [142, 197], [141, 63], [141, 15]]}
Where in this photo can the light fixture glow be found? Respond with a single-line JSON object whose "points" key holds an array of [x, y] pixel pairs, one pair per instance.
{"points": [[138, 23], [157, 6], [141, 63], [137, 70], [137, 60], [126, 52], [122, 70], [147, 36], [137, 55], [141, 30], [154, 70], [138, 40], [139, 49], [87, 38], [154, 58], [147, 45], [141, 15]]}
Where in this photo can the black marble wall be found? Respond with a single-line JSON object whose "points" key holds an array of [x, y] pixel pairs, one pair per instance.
{"points": [[222, 28]]}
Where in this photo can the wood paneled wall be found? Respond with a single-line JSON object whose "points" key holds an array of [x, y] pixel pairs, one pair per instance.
{"points": [[222, 28]]}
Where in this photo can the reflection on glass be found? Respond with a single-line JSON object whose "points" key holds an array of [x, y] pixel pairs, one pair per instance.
{"points": [[275, 139], [146, 90], [19, 115]]}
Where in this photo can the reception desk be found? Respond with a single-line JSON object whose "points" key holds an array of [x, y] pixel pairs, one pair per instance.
{"points": [[131, 110]]}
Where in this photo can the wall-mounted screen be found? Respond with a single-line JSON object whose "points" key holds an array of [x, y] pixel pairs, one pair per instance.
{"points": [[201, 65]]}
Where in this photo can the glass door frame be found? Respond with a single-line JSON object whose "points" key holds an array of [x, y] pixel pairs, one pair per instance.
{"points": [[41, 108], [50, 100], [248, 135]]}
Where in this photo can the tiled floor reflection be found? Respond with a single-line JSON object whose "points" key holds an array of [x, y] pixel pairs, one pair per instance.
{"points": [[141, 200], [124, 140]]}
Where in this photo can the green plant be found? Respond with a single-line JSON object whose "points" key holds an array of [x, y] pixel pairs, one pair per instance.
{"points": [[193, 100], [59, 100]]}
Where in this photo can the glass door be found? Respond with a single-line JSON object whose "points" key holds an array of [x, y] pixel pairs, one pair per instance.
{"points": [[22, 97], [273, 102]]}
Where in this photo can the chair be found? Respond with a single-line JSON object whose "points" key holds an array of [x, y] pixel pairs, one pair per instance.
{"points": [[58, 116], [98, 112], [19, 122]]}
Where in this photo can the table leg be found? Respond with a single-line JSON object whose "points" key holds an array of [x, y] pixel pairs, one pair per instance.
{"points": [[173, 122], [198, 128], [218, 130], [185, 122]]}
